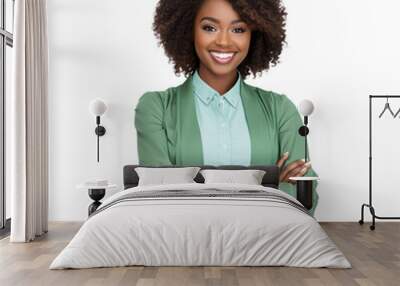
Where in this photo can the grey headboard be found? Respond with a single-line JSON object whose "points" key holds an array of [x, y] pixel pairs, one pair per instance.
{"points": [[271, 178]]}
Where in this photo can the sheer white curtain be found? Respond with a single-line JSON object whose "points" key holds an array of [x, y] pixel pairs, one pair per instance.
{"points": [[28, 123]]}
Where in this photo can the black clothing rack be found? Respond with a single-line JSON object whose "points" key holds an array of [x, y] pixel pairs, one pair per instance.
{"points": [[370, 205]]}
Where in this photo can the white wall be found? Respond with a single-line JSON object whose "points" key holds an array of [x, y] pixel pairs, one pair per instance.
{"points": [[338, 53]]}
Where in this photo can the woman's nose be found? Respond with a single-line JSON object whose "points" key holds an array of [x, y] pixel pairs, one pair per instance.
{"points": [[223, 38]]}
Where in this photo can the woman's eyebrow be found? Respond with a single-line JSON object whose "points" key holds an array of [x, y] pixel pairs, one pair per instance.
{"points": [[217, 21]]}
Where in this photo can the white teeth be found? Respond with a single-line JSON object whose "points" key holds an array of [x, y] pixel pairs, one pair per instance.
{"points": [[222, 55]]}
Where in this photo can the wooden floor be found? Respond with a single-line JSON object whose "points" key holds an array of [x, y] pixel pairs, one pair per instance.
{"points": [[375, 257]]}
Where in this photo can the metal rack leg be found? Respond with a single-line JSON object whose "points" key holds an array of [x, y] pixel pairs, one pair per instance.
{"points": [[372, 210], [361, 221]]}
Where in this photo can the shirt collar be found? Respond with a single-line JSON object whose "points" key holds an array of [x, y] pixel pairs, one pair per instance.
{"points": [[207, 94]]}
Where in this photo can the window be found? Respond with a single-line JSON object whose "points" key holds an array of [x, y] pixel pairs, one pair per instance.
{"points": [[6, 44]]}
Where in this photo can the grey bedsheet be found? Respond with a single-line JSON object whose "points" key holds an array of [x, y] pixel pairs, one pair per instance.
{"points": [[201, 224]]}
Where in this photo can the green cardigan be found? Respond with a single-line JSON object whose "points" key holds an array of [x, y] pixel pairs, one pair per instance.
{"points": [[168, 132]]}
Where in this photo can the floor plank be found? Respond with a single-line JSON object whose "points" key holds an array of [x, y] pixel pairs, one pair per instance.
{"points": [[374, 255]]}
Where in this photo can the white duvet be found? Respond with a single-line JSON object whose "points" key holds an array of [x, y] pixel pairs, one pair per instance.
{"points": [[200, 231]]}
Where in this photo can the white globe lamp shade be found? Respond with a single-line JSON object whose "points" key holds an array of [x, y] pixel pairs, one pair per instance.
{"points": [[306, 107], [97, 107]]}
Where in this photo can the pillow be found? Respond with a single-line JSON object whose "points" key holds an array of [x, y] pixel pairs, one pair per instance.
{"points": [[248, 177], [164, 176]]}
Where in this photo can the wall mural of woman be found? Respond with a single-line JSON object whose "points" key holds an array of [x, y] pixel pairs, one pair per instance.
{"points": [[214, 117]]}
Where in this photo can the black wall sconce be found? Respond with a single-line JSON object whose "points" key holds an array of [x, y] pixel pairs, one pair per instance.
{"points": [[306, 107], [97, 107]]}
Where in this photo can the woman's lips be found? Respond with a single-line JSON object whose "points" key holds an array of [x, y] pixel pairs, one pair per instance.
{"points": [[222, 58]]}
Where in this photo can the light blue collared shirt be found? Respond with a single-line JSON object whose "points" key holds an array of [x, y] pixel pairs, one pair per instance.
{"points": [[223, 127]]}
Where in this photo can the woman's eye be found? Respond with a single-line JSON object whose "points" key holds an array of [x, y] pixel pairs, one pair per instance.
{"points": [[208, 28], [239, 30]]}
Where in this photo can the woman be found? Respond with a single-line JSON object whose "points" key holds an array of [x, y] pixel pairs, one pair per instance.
{"points": [[214, 117]]}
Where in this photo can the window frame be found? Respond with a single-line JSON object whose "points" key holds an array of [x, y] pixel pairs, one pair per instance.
{"points": [[6, 39]]}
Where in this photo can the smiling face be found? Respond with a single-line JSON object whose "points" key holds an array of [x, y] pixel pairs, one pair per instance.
{"points": [[221, 38]]}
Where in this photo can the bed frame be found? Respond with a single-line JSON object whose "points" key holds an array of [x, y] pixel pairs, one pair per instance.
{"points": [[270, 179]]}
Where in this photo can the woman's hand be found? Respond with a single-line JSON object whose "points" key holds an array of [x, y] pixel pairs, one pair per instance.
{"points": [[295, 169]]}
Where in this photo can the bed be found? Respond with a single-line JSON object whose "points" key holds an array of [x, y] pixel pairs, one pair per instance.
{"points": [[201, 224]]}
